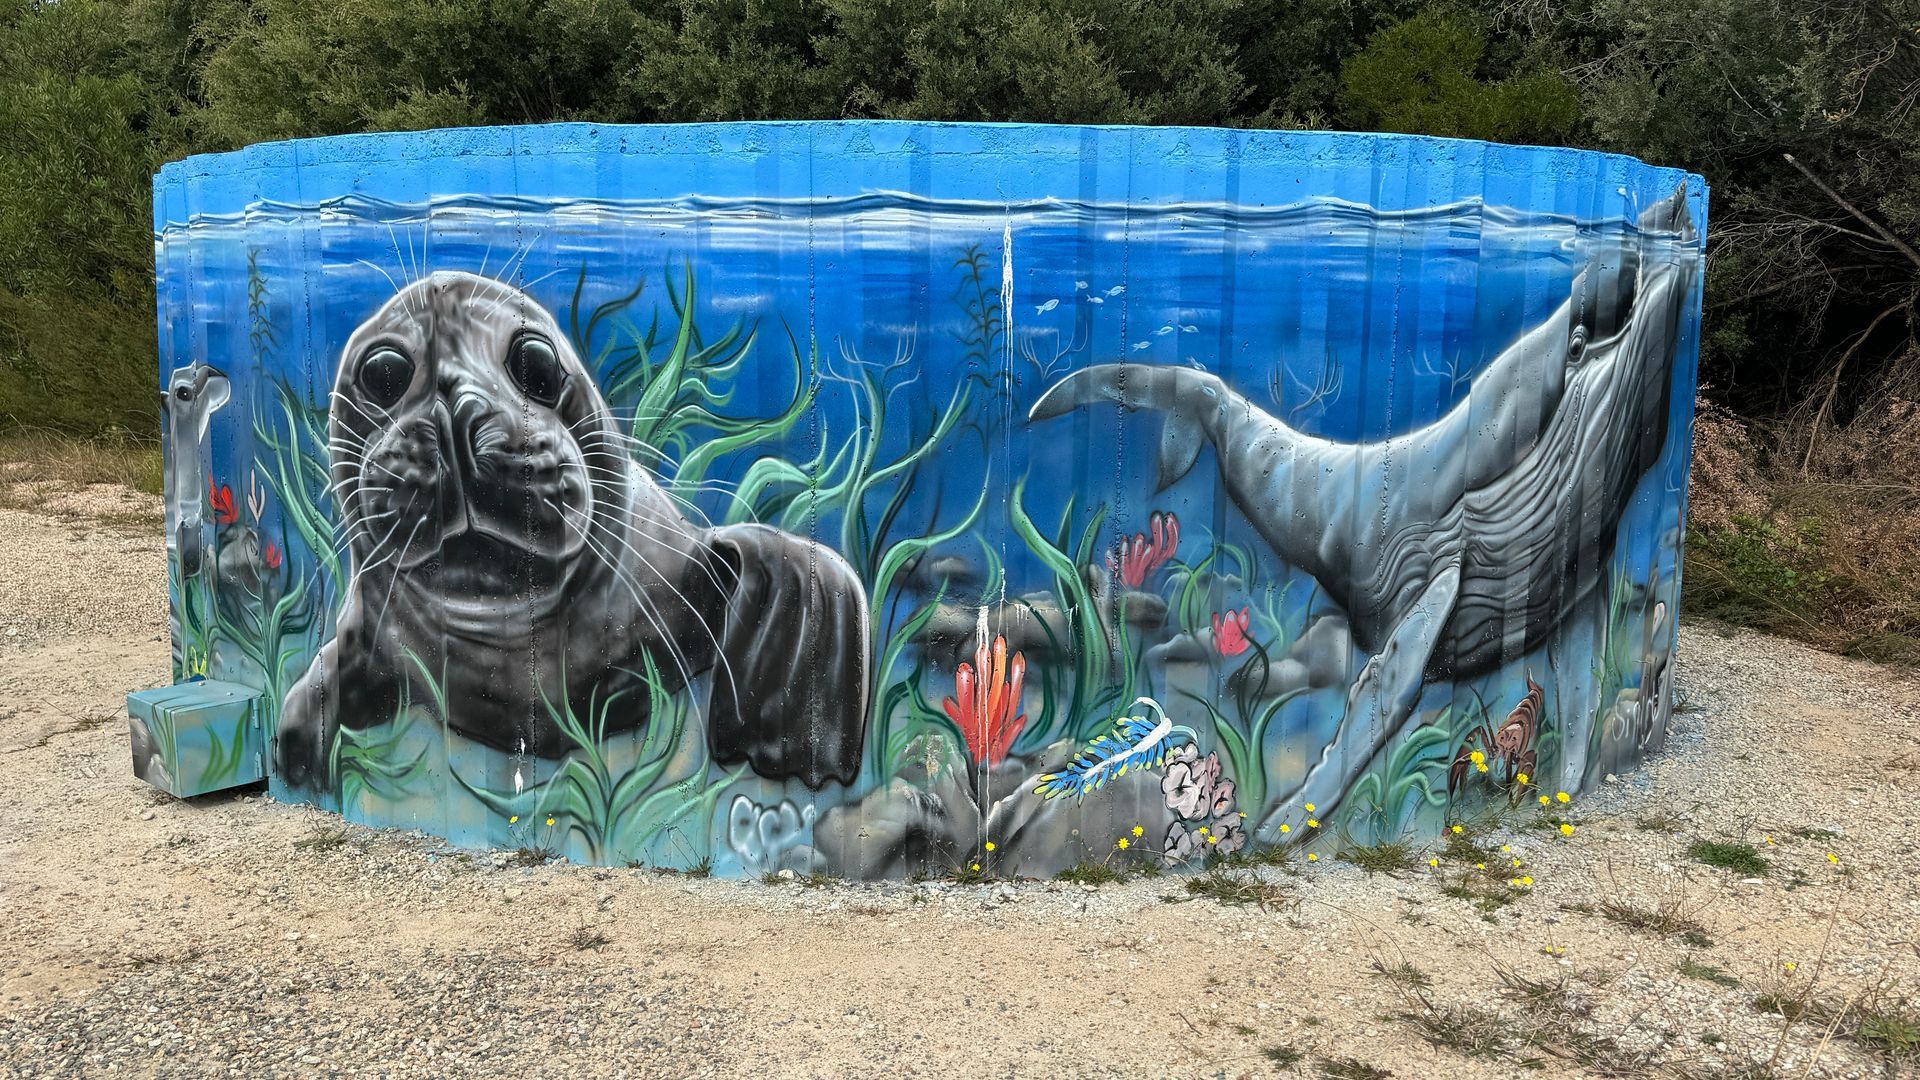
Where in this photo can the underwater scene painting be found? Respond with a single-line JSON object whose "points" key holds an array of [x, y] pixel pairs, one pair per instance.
{"points": [[889, 499]]}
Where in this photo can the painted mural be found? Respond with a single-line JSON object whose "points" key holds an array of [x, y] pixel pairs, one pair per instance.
{"points": [[890, 499]]}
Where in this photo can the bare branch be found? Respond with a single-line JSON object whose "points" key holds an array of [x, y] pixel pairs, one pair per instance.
{"points": [[1879, 230]]}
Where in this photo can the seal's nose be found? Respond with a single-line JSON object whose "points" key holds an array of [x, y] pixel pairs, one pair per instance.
{"points": [[457, 440]]}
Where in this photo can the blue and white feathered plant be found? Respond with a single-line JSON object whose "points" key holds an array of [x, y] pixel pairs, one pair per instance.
{"points": [[1135, 744]]}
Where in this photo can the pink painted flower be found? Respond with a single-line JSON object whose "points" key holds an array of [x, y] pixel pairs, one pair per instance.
{"points": [[1230, 632], [1137, 557], [986, 694]]}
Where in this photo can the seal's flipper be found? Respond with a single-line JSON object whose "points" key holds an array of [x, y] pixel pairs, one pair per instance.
{"points": [[304, 735], [1378, 705], [790, 685]]}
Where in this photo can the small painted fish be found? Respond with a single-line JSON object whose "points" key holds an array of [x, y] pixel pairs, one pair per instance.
{"points": [[1116, 290], [1139, 345], [1163, 331], [1046, 307]]}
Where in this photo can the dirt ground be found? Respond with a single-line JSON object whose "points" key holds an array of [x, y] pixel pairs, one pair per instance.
{"points": [[230, 935]]}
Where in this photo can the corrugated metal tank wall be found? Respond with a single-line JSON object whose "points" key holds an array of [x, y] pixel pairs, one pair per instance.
{"points": [[887, 499]]}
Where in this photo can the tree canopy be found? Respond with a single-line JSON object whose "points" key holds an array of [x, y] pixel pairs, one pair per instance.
{"points": [[1812, 273]]}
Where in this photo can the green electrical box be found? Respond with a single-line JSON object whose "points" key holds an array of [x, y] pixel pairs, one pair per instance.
{"points": [[197, 737]]}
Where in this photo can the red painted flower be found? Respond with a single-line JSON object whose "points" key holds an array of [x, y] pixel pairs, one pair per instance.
{"points": [[221, 498], [1137, 557], [1230, 632], [988, 692], [271, 556]]}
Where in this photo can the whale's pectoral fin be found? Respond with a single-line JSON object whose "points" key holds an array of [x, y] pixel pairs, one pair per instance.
{"points": [[1379, 704], [1180, 443], [790, 683]]}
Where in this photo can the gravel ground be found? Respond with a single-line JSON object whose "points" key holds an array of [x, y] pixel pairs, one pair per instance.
{"points": [[230, 935]]}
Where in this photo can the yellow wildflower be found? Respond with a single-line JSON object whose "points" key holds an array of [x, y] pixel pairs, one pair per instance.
{"points": [[1138, 831], [1313, 823], [1213, 839], [1791, 965], [1544, 801], [1527, 881], [1457, 830], [549, 821], [514, 820], [1566, 829], [1478, 758], [990, 846], [1563, 798], [1516, 864], [1481, 766], [1768, 840], [1285, 828], [1832, 858], [1521, 779], [1479, 866], [976, 866], [1121, 843], [1433, 862], [1311, 857], [1506, 847], [1309, 808]]}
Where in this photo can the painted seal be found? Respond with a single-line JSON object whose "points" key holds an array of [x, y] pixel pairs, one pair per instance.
{"points": [[511, 559]]}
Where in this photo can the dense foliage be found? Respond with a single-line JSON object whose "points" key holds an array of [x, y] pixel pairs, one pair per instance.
{"points": [[1812, 283]]}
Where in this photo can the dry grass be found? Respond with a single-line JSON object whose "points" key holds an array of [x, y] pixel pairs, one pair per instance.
{"points": [[1351, 1069], [1807, 532], [1237, 889], [34, 457]]}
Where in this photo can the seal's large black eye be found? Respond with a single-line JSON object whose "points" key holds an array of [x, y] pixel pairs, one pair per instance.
{"points": [[535, 369], [385, 375]]}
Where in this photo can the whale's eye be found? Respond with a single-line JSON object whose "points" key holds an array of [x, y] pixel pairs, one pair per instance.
{"points": [[184, 393], [385, 375], [535, 369], [1577, 345]]}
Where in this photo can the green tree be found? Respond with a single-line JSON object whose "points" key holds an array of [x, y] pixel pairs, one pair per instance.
{"points": [[77, 118], [1421, 76]]}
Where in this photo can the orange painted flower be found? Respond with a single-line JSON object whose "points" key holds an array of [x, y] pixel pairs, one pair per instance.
{"points": [[986, 694]]}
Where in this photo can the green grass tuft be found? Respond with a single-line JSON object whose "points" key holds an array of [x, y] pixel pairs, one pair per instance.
{"points": [[1387, 857], [1742, 859], [1239, 889], [1091, 873]]}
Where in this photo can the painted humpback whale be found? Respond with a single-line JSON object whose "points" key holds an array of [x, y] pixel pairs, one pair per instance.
{"points": [[1465, 542], [512, 560]]}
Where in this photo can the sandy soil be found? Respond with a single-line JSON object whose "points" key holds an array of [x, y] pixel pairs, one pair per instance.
{"points": [[230, 935]]}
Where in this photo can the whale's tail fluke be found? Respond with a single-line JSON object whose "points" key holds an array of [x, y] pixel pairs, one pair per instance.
{"points": [[1191, 400]]}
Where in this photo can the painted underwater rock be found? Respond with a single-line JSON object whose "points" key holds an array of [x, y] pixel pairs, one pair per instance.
{"points": [[663, 495]]}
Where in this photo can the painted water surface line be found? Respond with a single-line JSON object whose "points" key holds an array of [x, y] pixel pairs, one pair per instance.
{"points": [[599, 527]]}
